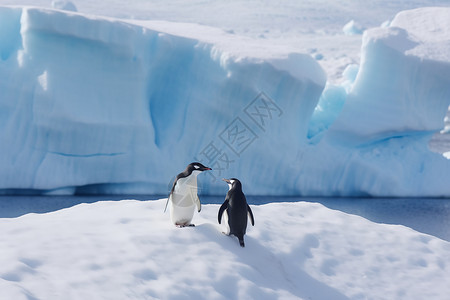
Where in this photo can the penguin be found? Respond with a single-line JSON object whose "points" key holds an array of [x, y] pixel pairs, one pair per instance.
{"points": [[236, 209], [183, 196]]}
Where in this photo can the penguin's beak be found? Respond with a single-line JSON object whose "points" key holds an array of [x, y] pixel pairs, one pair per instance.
{"points": [[207, 169], [227, 180]]}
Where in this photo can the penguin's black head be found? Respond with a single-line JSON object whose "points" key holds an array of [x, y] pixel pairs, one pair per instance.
{"points": [[196, 166], [233, 182]]}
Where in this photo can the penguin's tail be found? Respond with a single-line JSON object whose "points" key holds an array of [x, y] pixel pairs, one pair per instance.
{"points": [[241, 241]]}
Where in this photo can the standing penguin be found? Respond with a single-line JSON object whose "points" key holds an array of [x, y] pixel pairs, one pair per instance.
{"points": [[183, 197], [236, 208]]}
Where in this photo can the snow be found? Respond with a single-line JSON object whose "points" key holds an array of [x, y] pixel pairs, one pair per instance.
{"points": [[425, 21], [352, 28], [129, 250], [64, 5]]}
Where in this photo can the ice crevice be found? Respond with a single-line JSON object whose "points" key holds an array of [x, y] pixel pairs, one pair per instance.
{"points": [[88, 100], [87, 155]]}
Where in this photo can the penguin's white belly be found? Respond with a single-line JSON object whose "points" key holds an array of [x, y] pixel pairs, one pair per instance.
{"points": [[182, 215], [183, 200]]}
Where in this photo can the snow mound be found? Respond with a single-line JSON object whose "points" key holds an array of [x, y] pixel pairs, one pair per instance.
{"points": [[97, 105], [352, 28], [431, 27], [64, 5], [129, 250]]}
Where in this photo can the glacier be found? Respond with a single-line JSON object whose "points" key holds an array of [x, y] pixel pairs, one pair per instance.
{"points": [[92, 104]]}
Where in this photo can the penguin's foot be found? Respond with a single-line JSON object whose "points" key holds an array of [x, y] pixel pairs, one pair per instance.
{"points": [[184, 225]]}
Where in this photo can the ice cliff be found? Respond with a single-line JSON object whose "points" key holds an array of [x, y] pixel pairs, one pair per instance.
{"points": [[96, 105]]}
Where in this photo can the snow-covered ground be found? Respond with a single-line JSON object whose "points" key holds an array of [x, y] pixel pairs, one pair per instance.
{"points": [[129, 250]]}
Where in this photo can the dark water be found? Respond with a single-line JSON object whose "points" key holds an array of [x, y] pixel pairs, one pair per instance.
{"points": [[430, 216]]}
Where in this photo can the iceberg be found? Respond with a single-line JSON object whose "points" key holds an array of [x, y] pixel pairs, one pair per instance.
{"points": [[100, 105], [352, 28], [64, 5]]}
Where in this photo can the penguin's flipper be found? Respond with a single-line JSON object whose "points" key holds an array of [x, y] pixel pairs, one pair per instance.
{"points": [[171, 191], [167, 202], [197, 202], [222, 208], [250, 214]]}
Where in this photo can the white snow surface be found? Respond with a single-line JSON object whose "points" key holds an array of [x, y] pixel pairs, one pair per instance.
{"points": [[130, 250], [95, 104]]}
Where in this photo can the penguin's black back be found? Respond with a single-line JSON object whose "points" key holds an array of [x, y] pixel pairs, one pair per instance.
{"points": [[237, 211]]}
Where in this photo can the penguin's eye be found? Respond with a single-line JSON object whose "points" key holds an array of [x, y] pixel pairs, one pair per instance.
{"points": [[197, 167]]}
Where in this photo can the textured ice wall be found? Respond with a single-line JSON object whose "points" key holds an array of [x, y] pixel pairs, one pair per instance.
{"points": [[98, 105], [89, 104], [378, 143]]}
